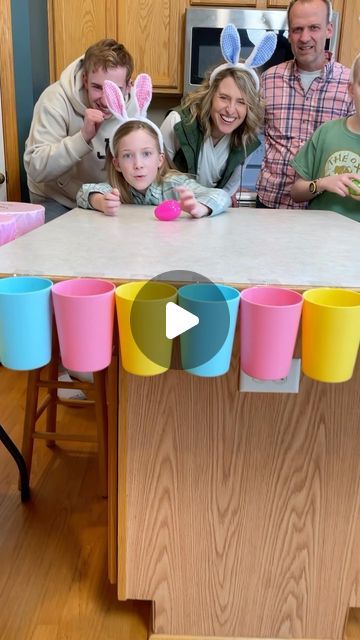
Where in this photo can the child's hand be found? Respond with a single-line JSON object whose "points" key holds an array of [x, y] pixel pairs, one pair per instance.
{"points": [[355, 188], [111, 202], [339, 184], [92, 121], [189, 204], [108, 203], [355, 197]]}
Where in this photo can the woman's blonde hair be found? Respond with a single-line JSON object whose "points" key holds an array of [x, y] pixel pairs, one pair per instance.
{"points": [[116, 179], [355, 69], [200, 102]]}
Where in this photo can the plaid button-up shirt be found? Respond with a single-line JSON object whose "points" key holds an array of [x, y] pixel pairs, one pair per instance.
{"points": [[291, 116]]}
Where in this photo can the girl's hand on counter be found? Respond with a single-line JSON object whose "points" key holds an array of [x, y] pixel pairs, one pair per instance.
{"points": [[111, 202], [189, 203], [108, 203]]}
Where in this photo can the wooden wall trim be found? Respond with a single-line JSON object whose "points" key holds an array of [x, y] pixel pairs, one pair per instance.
{"points": [[9, 103], [156, 636], [50, 10]]}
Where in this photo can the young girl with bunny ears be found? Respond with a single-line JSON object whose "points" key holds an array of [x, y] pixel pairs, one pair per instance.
{"points": [[138, 172], [215, 128]]}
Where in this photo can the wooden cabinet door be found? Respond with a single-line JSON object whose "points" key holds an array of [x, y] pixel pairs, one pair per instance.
{"points": [[74, 26], [277, 4], [153, 32], [350, 29], [283, 4], [226, 3]]}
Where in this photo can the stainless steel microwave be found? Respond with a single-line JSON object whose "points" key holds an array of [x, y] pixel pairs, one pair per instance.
{"points": [[203, 29]]}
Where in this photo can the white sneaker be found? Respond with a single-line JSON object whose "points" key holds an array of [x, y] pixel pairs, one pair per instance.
{"points": [[69, 394], [84, 376]]}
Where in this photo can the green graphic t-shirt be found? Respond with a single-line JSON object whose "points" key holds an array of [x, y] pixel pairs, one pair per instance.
{"points": [[331, 150]]}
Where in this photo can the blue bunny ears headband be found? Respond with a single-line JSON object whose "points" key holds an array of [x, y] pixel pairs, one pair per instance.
{"points": [[142, 98], [231, 46]]}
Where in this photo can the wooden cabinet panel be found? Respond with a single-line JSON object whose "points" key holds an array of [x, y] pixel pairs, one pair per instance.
{"points": [[338, 5], [259, 4], [239, 512], [283, 4], [74, 26], [153, 31], [277, 4], [226, 3], [350, 29]]}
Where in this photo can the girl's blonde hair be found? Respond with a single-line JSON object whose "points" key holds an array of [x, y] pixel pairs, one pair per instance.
{"points": [[355, 69], [116, 179], [200, 102]]}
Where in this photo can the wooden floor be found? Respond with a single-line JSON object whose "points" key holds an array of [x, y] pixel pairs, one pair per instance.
{"points": [[352, 631], [53, 549]]}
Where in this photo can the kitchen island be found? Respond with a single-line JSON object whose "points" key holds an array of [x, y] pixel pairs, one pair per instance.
{"points": [[237, 514]]}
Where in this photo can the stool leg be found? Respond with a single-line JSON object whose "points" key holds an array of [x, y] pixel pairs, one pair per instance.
{"points": [[32, 395], [101, 424], [14, 451], [53, 373]]}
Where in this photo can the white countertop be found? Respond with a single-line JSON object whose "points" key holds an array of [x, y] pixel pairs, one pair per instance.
{"points": [[242, 246]]}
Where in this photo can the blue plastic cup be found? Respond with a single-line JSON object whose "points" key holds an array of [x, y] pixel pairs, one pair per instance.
{"points": [[206, 348], [25, 322]]}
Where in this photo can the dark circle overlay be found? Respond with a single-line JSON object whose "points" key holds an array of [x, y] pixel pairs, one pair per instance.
{"points": [[202, 342]]}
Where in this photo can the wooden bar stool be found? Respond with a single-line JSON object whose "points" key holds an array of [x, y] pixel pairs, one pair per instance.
{"points": [[47, 377]]}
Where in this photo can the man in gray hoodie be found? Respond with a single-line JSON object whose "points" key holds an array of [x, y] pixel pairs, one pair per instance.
{"points": [[71, 127]]}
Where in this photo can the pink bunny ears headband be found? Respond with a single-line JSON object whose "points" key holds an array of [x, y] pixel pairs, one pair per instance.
{"points": [[230, 47], [142, 97]]}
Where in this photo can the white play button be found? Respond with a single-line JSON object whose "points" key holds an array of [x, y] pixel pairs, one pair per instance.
{"points": [[178, 320]]}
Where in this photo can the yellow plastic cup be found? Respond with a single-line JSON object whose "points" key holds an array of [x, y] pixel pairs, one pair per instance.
{"points": [[141, 314], [330, 333]]}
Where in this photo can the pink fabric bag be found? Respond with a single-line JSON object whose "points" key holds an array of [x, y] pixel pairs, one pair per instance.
{"points": [[7, 228], [27, 216]]}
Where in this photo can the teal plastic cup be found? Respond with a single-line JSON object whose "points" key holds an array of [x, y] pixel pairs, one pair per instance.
{"points": [[206, 348], [25, 322]]}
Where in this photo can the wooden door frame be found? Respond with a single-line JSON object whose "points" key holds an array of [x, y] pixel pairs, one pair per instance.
{"points": [[9, 103]]}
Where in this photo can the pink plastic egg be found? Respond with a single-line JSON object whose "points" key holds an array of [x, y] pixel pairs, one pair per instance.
{"points": [[352, 192], [168, 210]]}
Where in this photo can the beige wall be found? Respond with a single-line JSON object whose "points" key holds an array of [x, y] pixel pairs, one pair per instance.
{"points": [[159, 107]]}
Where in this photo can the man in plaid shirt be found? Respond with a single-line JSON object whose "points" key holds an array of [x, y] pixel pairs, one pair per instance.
{"points": [[299, 96]]}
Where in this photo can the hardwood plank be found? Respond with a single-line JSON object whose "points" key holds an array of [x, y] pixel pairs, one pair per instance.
{"points": [[352, 630]]}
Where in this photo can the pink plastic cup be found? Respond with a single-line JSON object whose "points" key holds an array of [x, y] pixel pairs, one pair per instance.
{"points": [[168, 210], [269, 323], [84, 312]]}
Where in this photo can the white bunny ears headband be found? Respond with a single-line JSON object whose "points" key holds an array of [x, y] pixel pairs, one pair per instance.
{"points": [[230, 47], [142, 98]]}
